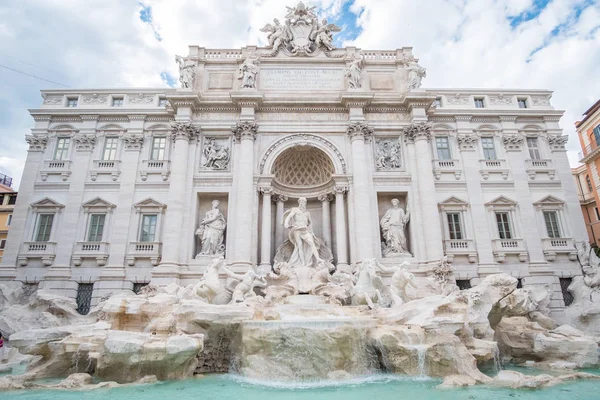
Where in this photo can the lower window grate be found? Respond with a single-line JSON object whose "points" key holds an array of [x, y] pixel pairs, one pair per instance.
{"points": [[84, 297], [564, 286], [463, 284], [137, 286]]}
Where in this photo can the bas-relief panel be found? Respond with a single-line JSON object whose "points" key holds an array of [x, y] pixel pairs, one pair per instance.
{"points": [[220, 80], [291, 116]]}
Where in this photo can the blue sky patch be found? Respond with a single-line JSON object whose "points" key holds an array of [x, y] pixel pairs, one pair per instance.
{"points": [[531, 13], [146, 17], [346, 20], [168, 79]]}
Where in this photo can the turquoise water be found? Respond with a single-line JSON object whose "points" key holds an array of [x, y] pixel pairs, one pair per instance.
{"points": [[222, 387]]}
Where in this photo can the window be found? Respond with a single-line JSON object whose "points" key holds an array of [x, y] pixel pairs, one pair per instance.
{"points": [[96, 227], [589, 183], [137, 287], [72, 102], [522, 103], [551, 220], [597, 214], [503, 223], [597, 135], [148, 232], [454, 227], [62, 148], [443, 148], [44, 227], [110, 148], [519, 283], [117, 102], [9, 220], [84, 297], [162, 102], [463, 284], [534, 151], [479, 102], [158, 148], [564, 287], [12, 199], [489, 150], [437, 102], [2, 244]]}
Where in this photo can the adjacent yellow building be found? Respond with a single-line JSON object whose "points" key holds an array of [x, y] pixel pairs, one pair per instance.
{"points": [[8, 198]]}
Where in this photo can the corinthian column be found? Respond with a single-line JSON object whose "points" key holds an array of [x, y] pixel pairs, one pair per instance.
{"points": [[266, 228], [244, 132], [325, 199], [358, 133], [167, 271], [340, 228], [279, 231], [419, 133]]}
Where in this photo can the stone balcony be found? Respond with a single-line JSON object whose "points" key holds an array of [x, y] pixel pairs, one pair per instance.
{"points": [[460, 247], [537, 167], [144, 250], [490, 167], [61, 168], [446, 167], [155, 167], [503, 247], [554, 246], [46, 251], [105, 167], [93, 250]]}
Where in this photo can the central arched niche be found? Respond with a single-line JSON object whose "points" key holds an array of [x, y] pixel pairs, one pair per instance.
{"points": [[303, 167]]}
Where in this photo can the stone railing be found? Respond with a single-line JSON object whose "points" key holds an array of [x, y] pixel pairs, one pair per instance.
{"points": [[158, 167], [95, 250], [105, 167], [446, 166], [554, 246], [535, 167], [45, 251], [502, 247], [144, 250], [465, 247], [56, 167], [487, 167]]}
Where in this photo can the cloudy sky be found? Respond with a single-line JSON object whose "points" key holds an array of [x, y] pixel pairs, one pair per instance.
{"points": [[45, 44]]}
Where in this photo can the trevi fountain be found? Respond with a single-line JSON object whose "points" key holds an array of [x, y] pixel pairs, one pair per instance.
{"points": [[313, 319]]}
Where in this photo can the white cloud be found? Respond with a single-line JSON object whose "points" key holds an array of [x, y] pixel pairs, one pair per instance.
{"points": [[103, 43]]}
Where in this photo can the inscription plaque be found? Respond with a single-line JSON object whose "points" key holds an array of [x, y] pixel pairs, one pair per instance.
{"points": [[301, 79]]}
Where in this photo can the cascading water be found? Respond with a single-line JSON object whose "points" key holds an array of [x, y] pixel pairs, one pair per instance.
{"points": [[497, 360]]}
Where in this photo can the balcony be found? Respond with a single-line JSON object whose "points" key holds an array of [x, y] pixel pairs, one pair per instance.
{"points": [[462, 247], [46, 251], [93, 250], [554, 246], [157, 167], [502, 247], [446, 166], [588, 152], [534, 167], [61, 168], [488, 167], [144, 250], [106, 167]]}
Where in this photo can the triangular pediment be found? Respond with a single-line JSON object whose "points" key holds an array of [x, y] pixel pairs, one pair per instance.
{"points": [[453, 201], [501, 201], [149, 203], [47, 202], [549, 201], [98, 202]]}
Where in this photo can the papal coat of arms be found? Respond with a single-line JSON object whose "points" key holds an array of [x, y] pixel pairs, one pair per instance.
{"points": [[302, 33]]}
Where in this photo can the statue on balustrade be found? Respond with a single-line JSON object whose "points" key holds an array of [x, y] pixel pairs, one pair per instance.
{"points": [[393, 225], [212, 231], [187, 72], [248, 71]]}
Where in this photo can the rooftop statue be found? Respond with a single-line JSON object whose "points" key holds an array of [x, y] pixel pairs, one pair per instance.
{"points": [[301, 34], [187, 72]]}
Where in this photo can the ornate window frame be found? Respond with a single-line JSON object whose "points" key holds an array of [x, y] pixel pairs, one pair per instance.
{"points": [[44, 206], [451, 205]]}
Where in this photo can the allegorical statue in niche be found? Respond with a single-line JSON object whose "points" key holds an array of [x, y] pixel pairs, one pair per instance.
{"points": [[393, 225], [187, 72], [306, 244], [388, 154], [211, 231], [248, 71], [353, 73], [415, 74], [216, 156]]}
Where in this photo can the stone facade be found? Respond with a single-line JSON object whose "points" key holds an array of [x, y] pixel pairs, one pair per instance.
{"points": [[128, 176]]}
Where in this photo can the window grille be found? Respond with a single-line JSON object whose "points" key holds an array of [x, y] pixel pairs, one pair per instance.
{"points": [[503, 225], [534, 151], [443, 148], [463, 284], [84, 297], [489, 150], [454, 227], [564, 286], [552, 224], [137, 286], [519, 283]]}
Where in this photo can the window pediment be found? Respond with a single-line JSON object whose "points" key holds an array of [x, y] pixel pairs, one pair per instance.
{"points": [[98, 204], [453, 203], [149, 205], [501, 202], [47, 205], [549, 202]]}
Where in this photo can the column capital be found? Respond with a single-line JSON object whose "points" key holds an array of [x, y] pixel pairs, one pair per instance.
{"points": [[359, 131], [133, 141], [557, 143], [266, 191], [37, 142], [184, 131], [245, 130], [327, 197], [513, 142], [417, 131], [467, 142], [341, 189], [84, 141], [280, 198]]}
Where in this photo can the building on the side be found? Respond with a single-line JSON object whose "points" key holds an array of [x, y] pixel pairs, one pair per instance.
{"points": [[587, 198], [587, 175], [119, 185], [8, 199]]}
